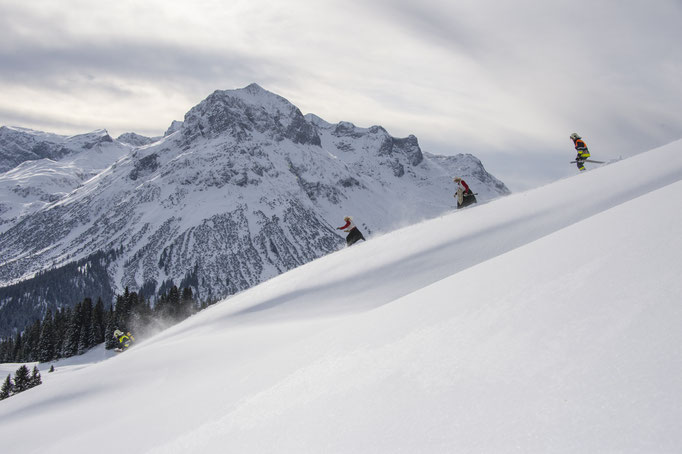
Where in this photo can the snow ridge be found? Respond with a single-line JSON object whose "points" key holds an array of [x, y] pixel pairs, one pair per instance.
{"points": [[546, 321]]}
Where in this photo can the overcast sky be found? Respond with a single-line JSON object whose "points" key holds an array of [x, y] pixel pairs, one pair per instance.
{"points": [[506, 81]]}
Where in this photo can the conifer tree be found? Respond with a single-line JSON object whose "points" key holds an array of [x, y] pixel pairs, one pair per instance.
{"points": [[61, 319], [187, 303], [85, 335], [17, 350], [32, 342], [7, 388], [109, 341], [174, 302], [35, 379], [9, 354], [144, 312], [22, 379], [6, 349], [123, 303], [98, 324], [46, 351], [161, 307], [73, 333], [134, 320]]}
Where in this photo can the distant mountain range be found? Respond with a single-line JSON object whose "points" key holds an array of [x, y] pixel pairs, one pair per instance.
{"points": [[245, 188]]}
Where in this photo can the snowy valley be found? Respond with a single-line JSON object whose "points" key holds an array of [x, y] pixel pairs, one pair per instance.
{"points": [[545, 321]]}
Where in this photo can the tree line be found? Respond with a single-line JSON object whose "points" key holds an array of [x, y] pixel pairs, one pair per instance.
{"points": [[67, 332]]}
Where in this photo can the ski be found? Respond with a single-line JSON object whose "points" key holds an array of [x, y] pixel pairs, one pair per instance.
{"points": [[589, 160]]}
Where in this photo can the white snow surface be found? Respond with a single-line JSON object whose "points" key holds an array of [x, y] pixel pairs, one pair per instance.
{"points": [[546, 321]]}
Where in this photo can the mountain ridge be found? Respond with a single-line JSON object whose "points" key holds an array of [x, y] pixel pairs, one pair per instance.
{"points": [[243, 189]]}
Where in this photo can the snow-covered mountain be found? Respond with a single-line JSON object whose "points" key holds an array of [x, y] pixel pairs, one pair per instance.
{"points": [[245, 188], [38, 169], [546, 321], [136, 140]]}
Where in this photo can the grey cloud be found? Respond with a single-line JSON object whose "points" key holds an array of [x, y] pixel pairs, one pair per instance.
{"points": [[157, 61], [433, 22], [525, 69], [43, 122]]}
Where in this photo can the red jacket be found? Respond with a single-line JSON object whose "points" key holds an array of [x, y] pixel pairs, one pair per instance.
{"points": [[464, 185], [348, 227]]}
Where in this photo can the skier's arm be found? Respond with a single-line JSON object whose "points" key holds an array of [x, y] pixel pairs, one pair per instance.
{"points": [[345, 226], [466, 186]]}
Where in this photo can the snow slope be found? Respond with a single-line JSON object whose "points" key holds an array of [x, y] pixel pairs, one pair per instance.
{"points": [[546, 321]]}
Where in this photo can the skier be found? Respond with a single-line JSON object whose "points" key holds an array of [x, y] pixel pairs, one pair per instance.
{"points": [[464, 195], [581, 148], [124, 340], [354, 234]]}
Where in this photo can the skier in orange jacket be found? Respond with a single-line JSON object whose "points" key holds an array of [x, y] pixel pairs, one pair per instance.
{"points": [[581, 149]]}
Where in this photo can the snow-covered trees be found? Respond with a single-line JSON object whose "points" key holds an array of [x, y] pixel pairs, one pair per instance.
{"points": [[22, 381], [7, 388], [35, 379], [47, 343]]}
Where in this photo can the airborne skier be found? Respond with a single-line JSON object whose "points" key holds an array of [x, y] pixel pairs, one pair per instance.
{"points": [[581, 148]]}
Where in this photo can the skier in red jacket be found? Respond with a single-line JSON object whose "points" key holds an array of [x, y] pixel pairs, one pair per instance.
{"points": [[464, 195], [354, 234]]}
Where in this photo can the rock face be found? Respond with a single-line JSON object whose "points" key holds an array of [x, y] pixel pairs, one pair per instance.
{"points": [[245, 188]]}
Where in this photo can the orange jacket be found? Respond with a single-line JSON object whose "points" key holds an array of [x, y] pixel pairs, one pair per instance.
{"points": [[580, 145]]}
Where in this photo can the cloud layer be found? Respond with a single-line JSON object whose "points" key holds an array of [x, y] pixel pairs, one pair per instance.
{"points": [[507, 81]]}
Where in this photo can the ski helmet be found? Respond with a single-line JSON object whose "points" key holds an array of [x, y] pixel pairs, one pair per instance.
{"points": [[118, 333], [457, 179], [575, 136], [346, 218]]}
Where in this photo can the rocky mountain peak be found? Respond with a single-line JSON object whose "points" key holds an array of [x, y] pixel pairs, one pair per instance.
{"points": [[244, 114], [135, 139], [174, 127]]}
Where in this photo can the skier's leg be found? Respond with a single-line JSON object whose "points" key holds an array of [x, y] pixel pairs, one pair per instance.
{"points": [[466, 200], [354, 236]]}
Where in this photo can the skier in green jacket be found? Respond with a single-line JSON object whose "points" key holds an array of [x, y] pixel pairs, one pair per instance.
{"points": [[125, 340]]}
